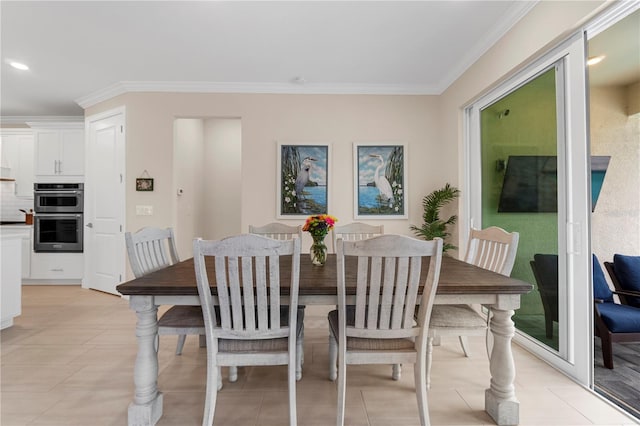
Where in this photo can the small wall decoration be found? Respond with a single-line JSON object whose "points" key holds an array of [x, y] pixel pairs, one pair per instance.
{"points": [[380, 172], [302, 182], [144, 182]]}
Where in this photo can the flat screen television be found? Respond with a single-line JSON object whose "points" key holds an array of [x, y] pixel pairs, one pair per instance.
{"points": [[530, 183]]}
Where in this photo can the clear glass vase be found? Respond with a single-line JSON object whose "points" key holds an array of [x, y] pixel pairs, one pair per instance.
{"points": [[318, 250]]}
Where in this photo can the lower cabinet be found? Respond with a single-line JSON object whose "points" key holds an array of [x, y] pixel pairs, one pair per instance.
{"points": [[10, 288], [57, 266]]}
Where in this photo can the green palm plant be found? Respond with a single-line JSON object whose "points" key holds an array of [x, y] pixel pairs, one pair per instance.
{"points": [[433, 226]]}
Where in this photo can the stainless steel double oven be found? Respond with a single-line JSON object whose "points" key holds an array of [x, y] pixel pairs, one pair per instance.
{"points": [[58, 219]]}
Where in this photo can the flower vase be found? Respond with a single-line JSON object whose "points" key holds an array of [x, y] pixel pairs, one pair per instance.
{"points": [[318, 250]]}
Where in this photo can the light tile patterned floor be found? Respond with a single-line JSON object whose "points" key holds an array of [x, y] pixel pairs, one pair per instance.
{"points": [[69, 359]]}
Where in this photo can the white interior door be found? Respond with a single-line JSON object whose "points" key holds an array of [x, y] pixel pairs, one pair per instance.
{"points": [[105, 202]]}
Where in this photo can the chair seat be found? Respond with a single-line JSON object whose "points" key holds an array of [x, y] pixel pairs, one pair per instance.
{"points": [[364, 344], [620, 318], [183, 317], [456, 316], [262, 345]]}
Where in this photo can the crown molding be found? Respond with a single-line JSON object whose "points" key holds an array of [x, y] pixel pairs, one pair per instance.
{"points": [[39, 120], [517, 11], [260, 88]]}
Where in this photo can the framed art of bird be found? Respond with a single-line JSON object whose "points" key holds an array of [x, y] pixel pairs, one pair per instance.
{"points": [[303, 175], [380, 172]]}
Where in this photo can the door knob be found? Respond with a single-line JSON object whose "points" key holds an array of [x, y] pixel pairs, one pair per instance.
{"points": [[89, 225]]}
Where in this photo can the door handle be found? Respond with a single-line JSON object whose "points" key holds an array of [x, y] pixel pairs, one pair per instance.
{"points": [[89, 225]]}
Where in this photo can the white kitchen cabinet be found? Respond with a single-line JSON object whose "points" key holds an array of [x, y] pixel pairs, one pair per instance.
{"points": [[57, 266], [17, 159], [59, 152], [24, 233], [10, 281]]}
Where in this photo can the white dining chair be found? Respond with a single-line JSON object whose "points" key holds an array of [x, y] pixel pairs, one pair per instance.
{"points": [[493, 249], [380, 327], [277, 231], [150, 249], [355, 231], [282, 232], [247, 328]]}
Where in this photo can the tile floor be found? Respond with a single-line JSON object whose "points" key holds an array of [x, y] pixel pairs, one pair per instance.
{"points": [[68, 360]]}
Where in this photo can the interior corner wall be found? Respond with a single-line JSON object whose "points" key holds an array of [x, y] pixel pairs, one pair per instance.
{"points": [[222, 176], [615, 222]]}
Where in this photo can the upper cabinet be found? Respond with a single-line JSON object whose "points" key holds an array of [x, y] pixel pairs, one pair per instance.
{"points": [[59, 152], [17, 159]]}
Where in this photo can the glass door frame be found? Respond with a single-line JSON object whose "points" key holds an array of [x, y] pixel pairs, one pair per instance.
{"points": [[575, 353]]}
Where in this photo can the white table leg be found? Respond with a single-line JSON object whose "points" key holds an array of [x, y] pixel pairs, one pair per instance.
{"points": [[500, 399], [146, 408]]}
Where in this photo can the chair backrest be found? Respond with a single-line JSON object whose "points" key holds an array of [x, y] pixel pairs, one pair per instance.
{"points": [[601, 290], [619, 287], [151, 249], [627, 272], [389, 273], [545, 271], [354, 232], [492, 248], [247, 280], [277, 231]]}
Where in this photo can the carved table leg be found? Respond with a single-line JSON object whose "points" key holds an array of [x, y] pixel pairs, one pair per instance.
{"points": [[500, 399], [146, 408]]}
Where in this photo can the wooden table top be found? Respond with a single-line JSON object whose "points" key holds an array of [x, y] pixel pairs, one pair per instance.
{"points": [[456, 277]]}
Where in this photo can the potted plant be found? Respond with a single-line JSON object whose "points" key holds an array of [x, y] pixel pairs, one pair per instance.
{"points": [[433, 226]]}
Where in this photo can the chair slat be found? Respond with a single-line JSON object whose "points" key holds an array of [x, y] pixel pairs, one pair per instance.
{"points": [[388, 287], [374, 292], [397, 321], [274, 287], [361, 293], [262, 302], [247, 293], [233, 263], [413, 284]]}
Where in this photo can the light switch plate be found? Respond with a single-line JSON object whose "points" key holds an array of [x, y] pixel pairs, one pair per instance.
{"points": [[144, 210]]}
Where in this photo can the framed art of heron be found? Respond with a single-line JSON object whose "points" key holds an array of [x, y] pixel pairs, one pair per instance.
{"points": [[380, 175], [303, 177]]}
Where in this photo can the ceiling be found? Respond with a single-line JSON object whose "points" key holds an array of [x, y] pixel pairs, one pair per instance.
{"points": [[82, 52], [620, 45], [79, 50]]}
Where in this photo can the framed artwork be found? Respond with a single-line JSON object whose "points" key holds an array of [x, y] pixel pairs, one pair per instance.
{"points": [[380, 175], [144, 184], [303, 177]]}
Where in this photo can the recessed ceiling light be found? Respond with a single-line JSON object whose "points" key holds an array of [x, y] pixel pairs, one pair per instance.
{"points": [[19, 66], [595, 60]]}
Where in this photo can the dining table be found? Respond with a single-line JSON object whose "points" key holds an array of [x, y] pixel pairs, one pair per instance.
{"points": [[459, 282]]}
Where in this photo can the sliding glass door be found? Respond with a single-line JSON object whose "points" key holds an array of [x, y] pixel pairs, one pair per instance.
{"points": [[527, 172], [519, 154]]}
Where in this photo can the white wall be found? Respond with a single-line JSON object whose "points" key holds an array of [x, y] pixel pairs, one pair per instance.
{"points": [[616, 220], [266, 119], [223, 177]]}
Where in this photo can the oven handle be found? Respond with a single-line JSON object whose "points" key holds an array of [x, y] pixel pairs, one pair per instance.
{"points": [[60, 192]]}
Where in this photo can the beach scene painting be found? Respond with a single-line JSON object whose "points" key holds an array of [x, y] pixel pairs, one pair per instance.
{"points": [[380, 183], [302, 180]]}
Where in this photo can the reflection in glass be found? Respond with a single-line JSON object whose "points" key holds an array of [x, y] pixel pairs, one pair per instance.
{"points": [[520, 191]]}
